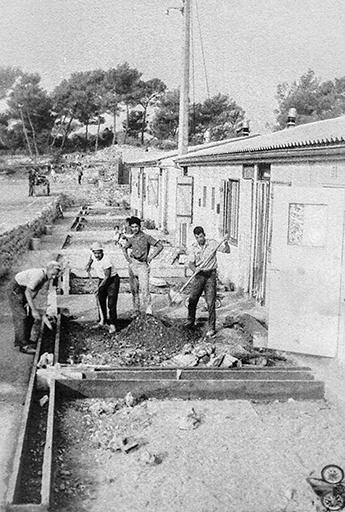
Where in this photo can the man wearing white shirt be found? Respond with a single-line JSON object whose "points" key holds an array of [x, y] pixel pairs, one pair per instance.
{"points": [[108, 285], [21, 293]]}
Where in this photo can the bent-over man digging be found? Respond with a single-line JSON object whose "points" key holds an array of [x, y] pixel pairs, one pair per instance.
{"points": [[21, 293]]}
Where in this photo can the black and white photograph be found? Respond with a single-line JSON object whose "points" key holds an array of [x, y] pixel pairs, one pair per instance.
{"points": [[172, 256]]}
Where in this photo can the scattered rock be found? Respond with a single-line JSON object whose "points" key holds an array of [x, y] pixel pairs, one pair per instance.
{"points": [[230, 321], [152, 459], [228, 361], [187, 348], [216, 361], [44, 400], [182, 360], [191, 421]]}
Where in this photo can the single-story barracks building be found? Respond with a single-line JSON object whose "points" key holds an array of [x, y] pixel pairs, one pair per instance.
{"points": [[280, 198]]}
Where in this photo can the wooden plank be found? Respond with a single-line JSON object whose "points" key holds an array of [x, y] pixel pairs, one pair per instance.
{"points": [[195, 389], [202, 374], [26, 507], [15, 477], [57, 339], [47, 467], [196, 370]]}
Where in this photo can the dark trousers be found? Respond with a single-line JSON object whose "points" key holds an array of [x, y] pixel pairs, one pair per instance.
{"points": [[109, 294], [23, 320], [203, 281]]}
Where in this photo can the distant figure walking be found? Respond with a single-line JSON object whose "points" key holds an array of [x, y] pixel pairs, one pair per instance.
{"points": [[53, 173], [80, 174], [32, 181]]}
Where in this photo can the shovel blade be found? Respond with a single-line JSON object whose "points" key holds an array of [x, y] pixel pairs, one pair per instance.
{"points": [[175, 297]]}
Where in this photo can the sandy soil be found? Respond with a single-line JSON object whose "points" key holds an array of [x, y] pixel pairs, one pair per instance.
{"points": [[242, 456]]}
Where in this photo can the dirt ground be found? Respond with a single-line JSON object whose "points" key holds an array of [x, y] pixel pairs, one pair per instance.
{"points": [[239, 456]]}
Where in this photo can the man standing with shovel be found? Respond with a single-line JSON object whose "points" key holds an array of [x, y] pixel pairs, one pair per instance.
{"points": [[108, 286], [202, 260]]}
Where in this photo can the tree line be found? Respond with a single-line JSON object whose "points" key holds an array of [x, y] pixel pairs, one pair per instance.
{"points": [[38, 121]]}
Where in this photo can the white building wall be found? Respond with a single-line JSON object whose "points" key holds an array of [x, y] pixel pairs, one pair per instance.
{"points": [[234, 266], [134, 183]]}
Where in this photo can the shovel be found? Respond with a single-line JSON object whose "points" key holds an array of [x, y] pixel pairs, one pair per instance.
{"points": [[100, 313], [177, 297]]}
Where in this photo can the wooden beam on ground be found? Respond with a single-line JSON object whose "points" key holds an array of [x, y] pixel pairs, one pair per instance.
{"points": [[235, 389]]}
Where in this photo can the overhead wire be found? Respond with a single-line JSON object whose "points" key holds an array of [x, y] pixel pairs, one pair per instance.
{"points": [[193, 67], [202, 49]]}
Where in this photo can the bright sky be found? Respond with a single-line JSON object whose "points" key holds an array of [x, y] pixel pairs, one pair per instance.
{"points": [[250, 45]]}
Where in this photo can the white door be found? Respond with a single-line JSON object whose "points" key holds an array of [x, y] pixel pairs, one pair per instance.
{"points": [[306, 269]]}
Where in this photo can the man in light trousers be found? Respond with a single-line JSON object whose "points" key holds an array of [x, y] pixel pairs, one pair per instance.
{"points": [[139, 264]]}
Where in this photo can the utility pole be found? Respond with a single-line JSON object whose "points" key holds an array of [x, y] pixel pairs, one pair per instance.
{"points": [[184, 86], [25, 130], [184, 91]]}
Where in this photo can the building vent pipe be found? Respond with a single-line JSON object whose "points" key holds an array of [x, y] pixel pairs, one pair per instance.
{"points": [[291, 121], [245, 128]]}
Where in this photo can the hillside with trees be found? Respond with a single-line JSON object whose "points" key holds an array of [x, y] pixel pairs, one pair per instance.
{"points": [[313, 99]]}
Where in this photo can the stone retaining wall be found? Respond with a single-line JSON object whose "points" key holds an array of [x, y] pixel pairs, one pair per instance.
{"points": [[17, 240]]}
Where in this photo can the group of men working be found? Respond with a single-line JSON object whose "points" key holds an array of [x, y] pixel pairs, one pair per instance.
{"points": [[139, 249], [202, 260]]}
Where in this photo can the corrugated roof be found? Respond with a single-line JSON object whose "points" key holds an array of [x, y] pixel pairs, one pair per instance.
{"points": [[329, 131], [154, 157]]}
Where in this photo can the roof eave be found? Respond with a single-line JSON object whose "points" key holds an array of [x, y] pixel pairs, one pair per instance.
{"points": [[264, 155]]}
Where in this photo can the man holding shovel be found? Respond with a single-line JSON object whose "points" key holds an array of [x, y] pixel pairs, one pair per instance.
{"points": [[26, 317], [202, 260], [108, 286]]}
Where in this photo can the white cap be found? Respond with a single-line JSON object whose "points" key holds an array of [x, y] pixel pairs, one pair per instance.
{"points": [[96, 247]]}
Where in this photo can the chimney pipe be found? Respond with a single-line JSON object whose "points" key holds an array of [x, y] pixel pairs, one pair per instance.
{"points": [[242, 129], [245, 128], [291, 121]]}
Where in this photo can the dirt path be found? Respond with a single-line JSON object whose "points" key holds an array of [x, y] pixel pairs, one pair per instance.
{"points": [[242, 456]]}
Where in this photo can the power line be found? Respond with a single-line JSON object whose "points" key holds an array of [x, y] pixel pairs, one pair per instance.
{"points": [[202, 49], [193, 68]]}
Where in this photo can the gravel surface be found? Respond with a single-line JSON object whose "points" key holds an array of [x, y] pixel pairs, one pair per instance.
{"points": [[238, 456]]}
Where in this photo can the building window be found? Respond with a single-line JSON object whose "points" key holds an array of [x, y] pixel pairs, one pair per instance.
{"points": [[185, 171], [213, 198], [204, 196], [264, 171], [144, 187], [139, 180], [231, 210], [248, 172]]}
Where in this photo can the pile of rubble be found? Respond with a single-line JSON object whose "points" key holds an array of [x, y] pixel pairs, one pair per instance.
{"points": [[153, 341]]}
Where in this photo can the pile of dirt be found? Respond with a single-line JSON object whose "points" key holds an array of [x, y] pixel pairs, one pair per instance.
{"points": [[82, 285], [146, 341]]}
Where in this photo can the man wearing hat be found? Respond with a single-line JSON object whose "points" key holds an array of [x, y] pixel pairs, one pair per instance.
{"points": [[108, 285], [22, 292]]}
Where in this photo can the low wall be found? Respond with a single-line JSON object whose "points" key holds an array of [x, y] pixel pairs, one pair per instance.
{"points": [[16, 241]]}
